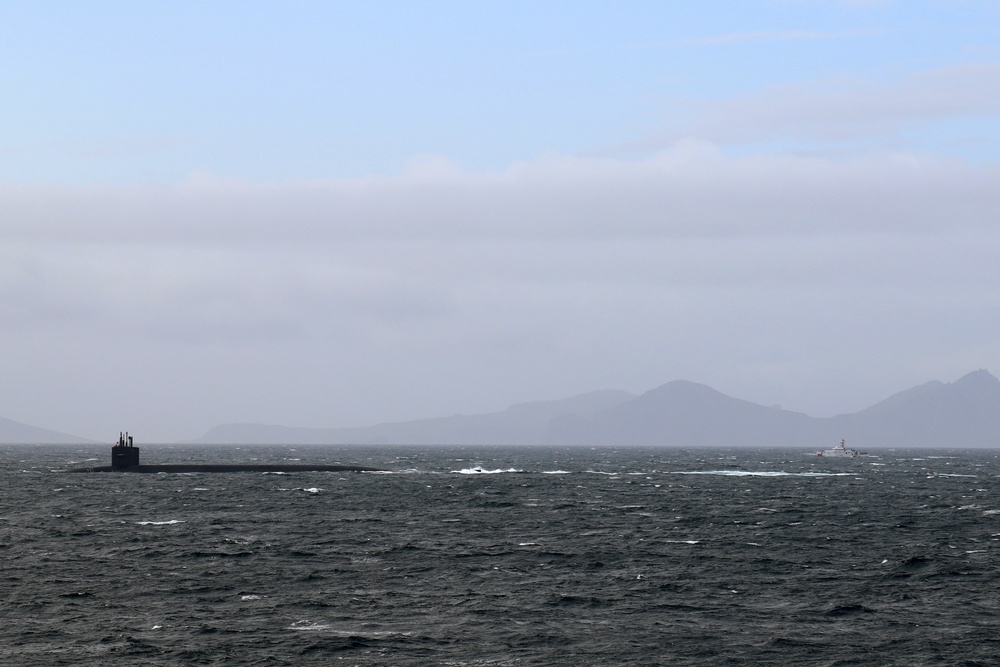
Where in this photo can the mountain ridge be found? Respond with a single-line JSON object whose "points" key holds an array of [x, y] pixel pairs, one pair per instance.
{"points": [[964, 413], [14, 432]]}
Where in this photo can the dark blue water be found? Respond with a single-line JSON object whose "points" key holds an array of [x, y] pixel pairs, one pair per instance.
{"points": [[502, 556]]}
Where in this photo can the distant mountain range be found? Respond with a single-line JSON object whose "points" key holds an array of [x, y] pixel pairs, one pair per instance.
{"points": [[965, 413], [12, 432]]}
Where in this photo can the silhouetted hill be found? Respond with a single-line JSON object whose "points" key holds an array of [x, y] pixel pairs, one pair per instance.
{"points": [[12, 432], [685, 413], [524, 423], [965, 413]]}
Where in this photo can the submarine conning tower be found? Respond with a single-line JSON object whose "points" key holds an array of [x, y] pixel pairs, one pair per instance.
{"points": [[124, 454]]}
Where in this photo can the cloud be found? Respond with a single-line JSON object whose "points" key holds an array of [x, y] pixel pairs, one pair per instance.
{"points": [[838, 110], [690, 191], [373, 245], [774, 36]]}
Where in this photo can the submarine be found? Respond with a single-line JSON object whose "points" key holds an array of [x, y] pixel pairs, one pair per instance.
{"points": [[125, 458]]}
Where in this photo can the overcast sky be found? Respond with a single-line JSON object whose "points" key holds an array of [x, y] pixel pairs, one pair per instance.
{"points": [[341, 213]]}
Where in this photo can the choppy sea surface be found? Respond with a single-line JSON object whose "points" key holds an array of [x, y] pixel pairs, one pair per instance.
{"points": [[502, 556]]}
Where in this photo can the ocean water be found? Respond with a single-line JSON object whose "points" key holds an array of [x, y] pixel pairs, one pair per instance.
{"points": [[502, 556]]}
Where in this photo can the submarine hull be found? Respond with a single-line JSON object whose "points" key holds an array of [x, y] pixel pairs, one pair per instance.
{"points": [[125, 458], [229, 467]]}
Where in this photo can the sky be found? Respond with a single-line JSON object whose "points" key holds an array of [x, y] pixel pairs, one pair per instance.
{"points": [[325, 214]]}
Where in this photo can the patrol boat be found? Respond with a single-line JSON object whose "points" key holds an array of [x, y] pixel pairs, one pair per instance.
{"points": [[840, 451]]}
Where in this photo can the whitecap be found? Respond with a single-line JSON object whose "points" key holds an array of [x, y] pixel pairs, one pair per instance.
{"points": [[159, 523], [311, 489], [762, 473], [483, 471], [556, 472], [307, 626]]}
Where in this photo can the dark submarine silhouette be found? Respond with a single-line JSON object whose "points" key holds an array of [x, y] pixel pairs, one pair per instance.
{"points": [[125, 458]]}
